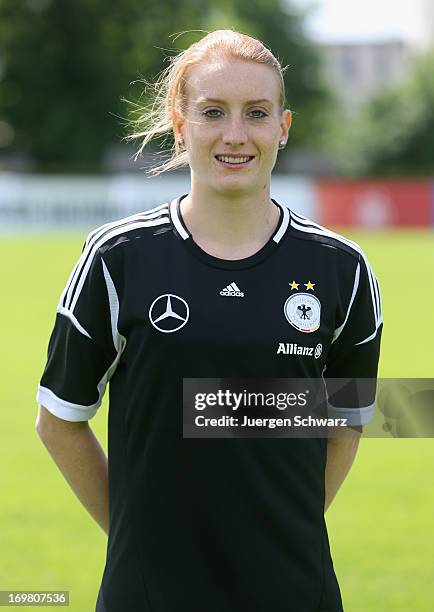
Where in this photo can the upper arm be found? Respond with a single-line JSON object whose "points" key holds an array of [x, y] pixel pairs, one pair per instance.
{"points": [[84, 346], [352, 362]]}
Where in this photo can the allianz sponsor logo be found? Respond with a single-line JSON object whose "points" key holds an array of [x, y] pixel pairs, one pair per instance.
{"points": [[292, 348]]}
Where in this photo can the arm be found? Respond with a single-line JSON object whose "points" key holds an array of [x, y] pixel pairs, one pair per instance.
{"points": [[83, 352], [351, 373], [341, 452], [80, 458]]}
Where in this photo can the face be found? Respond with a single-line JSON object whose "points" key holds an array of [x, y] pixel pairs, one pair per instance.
{"points": [[232, 115]]}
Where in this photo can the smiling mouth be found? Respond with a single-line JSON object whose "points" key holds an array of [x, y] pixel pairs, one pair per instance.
{"points": [[241, 160]]}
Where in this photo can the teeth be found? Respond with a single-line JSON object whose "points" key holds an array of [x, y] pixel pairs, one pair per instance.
{"points": [[233, 160]]}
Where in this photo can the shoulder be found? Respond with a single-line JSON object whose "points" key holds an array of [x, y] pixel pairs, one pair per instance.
{"points": [[324, 238], [107, 236], [352, 263]]}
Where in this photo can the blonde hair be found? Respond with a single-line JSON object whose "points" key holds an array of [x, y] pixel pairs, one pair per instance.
{"points": [[169, 89]]}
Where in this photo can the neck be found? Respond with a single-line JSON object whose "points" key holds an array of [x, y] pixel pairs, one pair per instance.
{"points": [[228, 225]]}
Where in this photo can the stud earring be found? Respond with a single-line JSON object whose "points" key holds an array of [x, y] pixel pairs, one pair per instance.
{"points": [[282, 144], [181, 142]]}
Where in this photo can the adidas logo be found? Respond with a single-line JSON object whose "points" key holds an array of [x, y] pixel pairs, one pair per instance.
{"points": [[232, 290]]}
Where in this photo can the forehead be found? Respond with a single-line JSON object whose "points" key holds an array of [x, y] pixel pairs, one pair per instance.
{"points": [[230, 79]]}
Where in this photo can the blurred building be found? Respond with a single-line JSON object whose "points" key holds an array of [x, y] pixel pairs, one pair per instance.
{"points": [[428, 20], [356, 70]]}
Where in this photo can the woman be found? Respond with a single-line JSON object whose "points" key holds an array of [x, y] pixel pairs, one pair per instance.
{"points": [[221, 282]]}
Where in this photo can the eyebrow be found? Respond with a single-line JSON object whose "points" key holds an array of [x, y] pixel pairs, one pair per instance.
{"points": [[217, 101]]}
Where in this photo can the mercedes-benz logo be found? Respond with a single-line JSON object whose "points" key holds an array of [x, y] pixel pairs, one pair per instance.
{"points": [[168, 313]]}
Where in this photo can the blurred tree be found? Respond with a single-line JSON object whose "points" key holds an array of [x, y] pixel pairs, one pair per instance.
{"points": [[65, 65], [393, 135]]}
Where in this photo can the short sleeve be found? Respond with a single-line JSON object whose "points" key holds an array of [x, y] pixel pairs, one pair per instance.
{"points": [[85, 345], [352, 362]]}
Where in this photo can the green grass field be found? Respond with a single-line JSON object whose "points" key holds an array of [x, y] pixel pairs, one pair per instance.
{"points": [[380, 525]]}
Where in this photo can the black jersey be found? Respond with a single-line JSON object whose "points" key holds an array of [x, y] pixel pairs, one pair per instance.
{"points": [[210, 525]]}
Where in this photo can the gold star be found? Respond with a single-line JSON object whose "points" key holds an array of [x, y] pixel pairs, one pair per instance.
{"points": [[309, 285], [294, 285]]}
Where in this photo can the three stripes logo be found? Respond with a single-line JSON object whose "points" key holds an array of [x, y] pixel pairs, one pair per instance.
{"points": [[232, 290]]}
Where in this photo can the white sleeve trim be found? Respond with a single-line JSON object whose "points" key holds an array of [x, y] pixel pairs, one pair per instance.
{"points": [[63, 409], [354, 416], [76, 412]]}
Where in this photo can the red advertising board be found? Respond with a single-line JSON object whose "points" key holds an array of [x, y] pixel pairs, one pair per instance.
{"points": [[381, 203]]}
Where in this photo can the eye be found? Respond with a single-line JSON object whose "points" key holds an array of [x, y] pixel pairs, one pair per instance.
{"points": [[261, 116], [211, 110]]}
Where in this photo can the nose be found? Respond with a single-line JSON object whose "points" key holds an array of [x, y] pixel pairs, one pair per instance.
{"points": [[234, 132]]}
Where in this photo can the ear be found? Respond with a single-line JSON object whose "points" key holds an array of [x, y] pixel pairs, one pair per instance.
{"points": [[285, 124], [178, 125]]}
